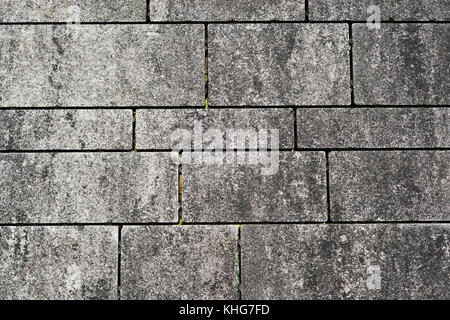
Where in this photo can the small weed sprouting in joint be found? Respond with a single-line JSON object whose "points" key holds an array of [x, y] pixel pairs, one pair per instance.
{"points": [[206, 103], [180, 188]]}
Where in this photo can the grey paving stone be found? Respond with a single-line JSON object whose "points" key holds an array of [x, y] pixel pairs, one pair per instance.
{"points": [[394, 10], [402, 64], [102, 65], [157, 128], [58, 262], [227, 10], [72, 10], [345, 261], [179, 262], [88, 187], [66, 129], [239, 191], [390, 186], [373, 127], [278, 64]]}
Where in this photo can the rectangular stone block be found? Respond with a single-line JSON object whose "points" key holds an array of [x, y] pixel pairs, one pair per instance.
{"points": [[40, 263], [373, 127], [401, 64], [88, 187], [382, 261], [66, 129], [102, 65], [72, 11], [227, 10], [166, 128], [179, 263], [290, 187], [392, 10], [390, 186], [278, 64]]}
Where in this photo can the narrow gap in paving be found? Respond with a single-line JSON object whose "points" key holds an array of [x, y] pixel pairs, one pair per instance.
{"points": [[306, 11], [222, 22], [210, 150], [147, 11], [327, 173], [65, 151], [298, 149], [239, 261], [352, 87], [295, 130], [371, 106], [134, 131], [180, 191], [119, 257], [222, 223], [206, 67]]}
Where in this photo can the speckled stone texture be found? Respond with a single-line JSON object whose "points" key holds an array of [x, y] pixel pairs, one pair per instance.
{"points": [[87, 188], [58, 262], [345, 261], [66, 129], [390, 186], [179, 262], [401, 64], [224, 149], [278, 64], [373, 127], [392, 10], [72, 10], [101, 65], [238, 192], [156, 128], [227, 10]]}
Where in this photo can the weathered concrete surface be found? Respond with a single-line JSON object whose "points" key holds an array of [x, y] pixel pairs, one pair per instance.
{"points": [[102, 65], [393, 10], [227, 10], [179, 262], [390, 186], [58, 262], [345, 261], [278, 64], [401, 64], [87, 188], [239, 192], [373, 127], [69, 10], [66, 129], [157, 128]]}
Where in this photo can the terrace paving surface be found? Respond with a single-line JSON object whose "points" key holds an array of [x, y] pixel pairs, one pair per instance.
{"points": [[219, 149]]}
